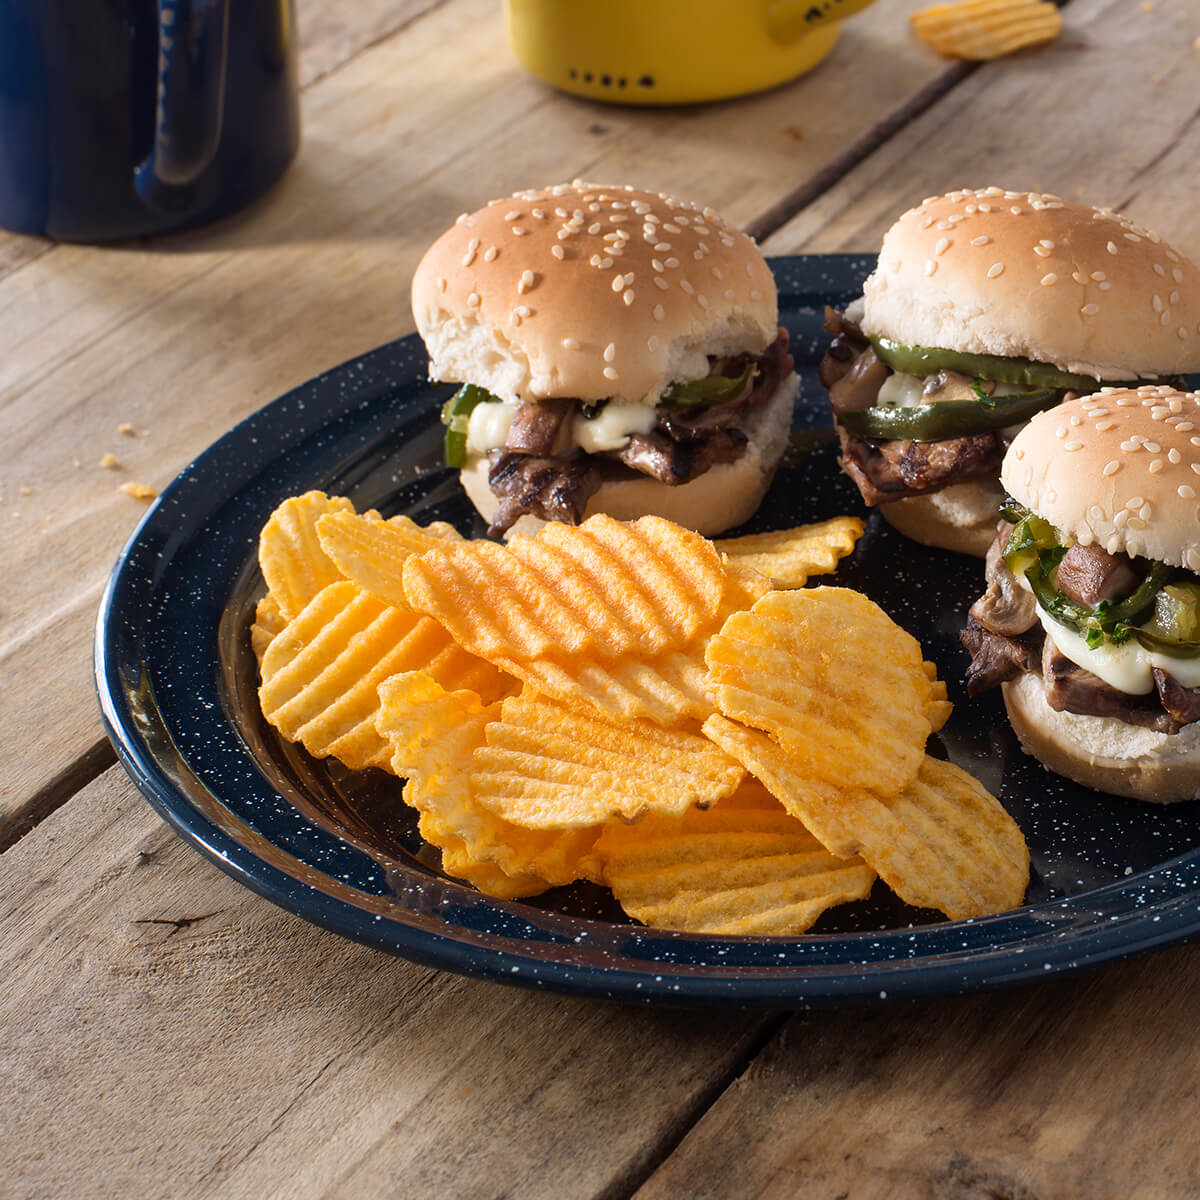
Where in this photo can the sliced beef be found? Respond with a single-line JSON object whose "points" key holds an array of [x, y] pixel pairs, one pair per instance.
{"points": [[1088, 575], [536, 427], [891, 470], [996, 658], [1069, 688], [1005, 607], [1180, 702], [671, 462], [555, 489], [858, 387]]}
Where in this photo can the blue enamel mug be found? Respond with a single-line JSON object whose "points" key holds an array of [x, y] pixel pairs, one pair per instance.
{"points": [[127, 117]]}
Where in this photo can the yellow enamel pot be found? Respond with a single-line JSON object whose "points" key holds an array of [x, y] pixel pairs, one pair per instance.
{"points": [[672, 51]]}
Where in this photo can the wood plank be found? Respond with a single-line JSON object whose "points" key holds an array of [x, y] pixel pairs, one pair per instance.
{"points": [[182, 338], [1108, 114], [1082, 1087], [169, 1033]]}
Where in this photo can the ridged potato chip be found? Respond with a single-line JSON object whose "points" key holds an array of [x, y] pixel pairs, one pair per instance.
{"points": [[789, 557], [668, 689], [938, 707], [743, 867], [831, 677], [289, 554], [268, 621], [546, 766], [986, 29], [943, 842], [321, 673], [372, 552], [433, 734], [603, 589]]}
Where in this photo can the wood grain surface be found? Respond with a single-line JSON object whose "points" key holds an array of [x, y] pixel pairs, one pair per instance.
{"points": [[165, 1032]]}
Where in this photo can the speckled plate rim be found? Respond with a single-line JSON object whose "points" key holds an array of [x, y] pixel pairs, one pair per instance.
{"points": [[455, 928]]}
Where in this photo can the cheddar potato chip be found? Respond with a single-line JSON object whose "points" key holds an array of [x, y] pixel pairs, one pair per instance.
{"points": [[789, 557], [433, 735], [289, 554], [321, 673], [546, 766], [372, 551], [943, 842], [985, 29], [602, 589], [743, 867], [831, 677], [268, 621]]}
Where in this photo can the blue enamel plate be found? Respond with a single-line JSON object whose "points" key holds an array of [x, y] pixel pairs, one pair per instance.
{"points": [[177, 679]]}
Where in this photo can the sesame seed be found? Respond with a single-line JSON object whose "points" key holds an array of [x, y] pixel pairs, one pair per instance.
{"points": [[1111, 247], [1174, 457], [511, 216], [1090, 310], [1072, 445], [610, 373], [717, 273], [442, 282], [1177, 274], [519, 231], [661, 283], [1098, 276], [981, 240], [662, 247], [627, 296], [1111, 467], [687, 287], [525, 282], [994, 270], [558, 251], [539, 213], [606, 262], [672, 228], [1155, 466], [1159, 269], [930, 266], [618, 283], [755, 294], [514, 317], [490, 254], [610, 352], [1105, 426], [1041, 251], [702, 301], [525, 312], [1183, 333], [569, 343], [652, 343], [1186, 491], [473, 300], [943, 244], [1047, 280], [672, 263], [659, 312]]}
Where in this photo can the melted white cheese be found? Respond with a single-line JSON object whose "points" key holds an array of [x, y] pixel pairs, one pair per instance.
{"points": [[1127, 667], [488, 426], [901, 391], [610, 428]]}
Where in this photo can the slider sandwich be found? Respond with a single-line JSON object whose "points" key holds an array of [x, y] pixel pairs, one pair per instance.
{"points": [[1091, 617], [619, 351], [985, 308]]}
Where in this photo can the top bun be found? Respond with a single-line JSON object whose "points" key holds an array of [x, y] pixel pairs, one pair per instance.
{"points": [[1120, 468], [590, 292], [1023, 275]]}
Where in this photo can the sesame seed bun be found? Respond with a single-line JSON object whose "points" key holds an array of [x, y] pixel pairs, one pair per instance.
{"points": [[1102, 752], [1023, 275], [721, 498], [590, 292], [961, 517], [1119, 468]]}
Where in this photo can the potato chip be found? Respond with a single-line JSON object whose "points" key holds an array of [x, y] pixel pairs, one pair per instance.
{"points": [[830, 676], [788, 557], [433, 734], [289, 554], [268, 621], [944, 842], [986, 29], [372, 552], [938, 707], [602, 589], [742, 867], [322, 671], [668, 689], [546, 766]]}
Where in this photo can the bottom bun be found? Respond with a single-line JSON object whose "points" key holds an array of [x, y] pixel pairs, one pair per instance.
{"points": [[1102, 752], [960, 518], [724, 496]]}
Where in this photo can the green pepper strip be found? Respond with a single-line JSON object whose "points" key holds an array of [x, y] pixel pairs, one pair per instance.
{"points": [[1024, 372], [456, 416], [951, 418], [1156, 643], [707, 391]]}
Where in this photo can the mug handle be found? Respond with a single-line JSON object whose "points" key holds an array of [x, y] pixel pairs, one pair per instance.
{"points": [[193, 48]]}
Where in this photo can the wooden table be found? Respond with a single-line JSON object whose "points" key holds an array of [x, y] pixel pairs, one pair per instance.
{"points": [[165, 1032]]}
